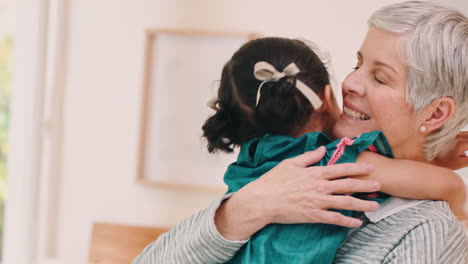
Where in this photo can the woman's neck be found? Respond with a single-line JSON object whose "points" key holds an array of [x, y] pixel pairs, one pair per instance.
{"points": [[410, 151]]}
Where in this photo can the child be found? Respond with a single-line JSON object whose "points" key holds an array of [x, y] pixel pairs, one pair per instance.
{"points": [[275, 102]]}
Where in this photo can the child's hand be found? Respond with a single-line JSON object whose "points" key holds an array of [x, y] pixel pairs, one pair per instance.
{"points": [[455, 157]]}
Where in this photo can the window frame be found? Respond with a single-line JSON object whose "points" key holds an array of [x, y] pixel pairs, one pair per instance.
{"points": [[35, 132]]}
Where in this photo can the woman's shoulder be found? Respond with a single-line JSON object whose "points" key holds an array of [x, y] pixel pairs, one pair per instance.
{"points": [[435, 215], [429, 224], [429, 210], [436, 236], [432, 211]]}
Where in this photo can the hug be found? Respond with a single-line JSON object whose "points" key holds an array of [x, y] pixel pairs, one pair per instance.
{"points": [[316, 183]]}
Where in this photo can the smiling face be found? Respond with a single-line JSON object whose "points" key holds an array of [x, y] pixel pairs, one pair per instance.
{"points": [[374, 96]]}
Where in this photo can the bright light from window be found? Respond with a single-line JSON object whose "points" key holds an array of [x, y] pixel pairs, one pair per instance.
{"points": [[7, 25]]}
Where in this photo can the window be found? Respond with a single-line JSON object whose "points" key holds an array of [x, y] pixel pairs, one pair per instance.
{"points": [[6, 52]]}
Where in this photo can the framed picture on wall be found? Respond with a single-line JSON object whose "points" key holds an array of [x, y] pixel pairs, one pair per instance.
{"points": [[181, 73]]}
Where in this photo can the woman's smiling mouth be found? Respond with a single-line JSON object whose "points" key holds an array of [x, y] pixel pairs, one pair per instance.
{"points": [[348, 112]]}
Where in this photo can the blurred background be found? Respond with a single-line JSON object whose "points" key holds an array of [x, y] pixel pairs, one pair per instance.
{"points": [[71, 71]]}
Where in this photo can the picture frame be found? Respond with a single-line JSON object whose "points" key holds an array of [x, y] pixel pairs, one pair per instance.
{"points": [[180, 73]]}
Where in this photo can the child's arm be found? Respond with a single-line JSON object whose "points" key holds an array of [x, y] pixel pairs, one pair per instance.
{"points": [[455, 156], [417, 180]]}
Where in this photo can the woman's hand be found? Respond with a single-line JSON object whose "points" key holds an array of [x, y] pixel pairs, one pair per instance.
{"points": [[455, 157], [292, 192]]}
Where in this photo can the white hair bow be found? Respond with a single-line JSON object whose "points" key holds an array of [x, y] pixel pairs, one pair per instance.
{"points": [[213, 103], [264, 71]]}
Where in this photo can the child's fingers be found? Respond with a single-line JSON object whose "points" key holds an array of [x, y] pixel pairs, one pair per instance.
{"points": [[463, 135], [462, 161], [462, 142], [462, 147]]}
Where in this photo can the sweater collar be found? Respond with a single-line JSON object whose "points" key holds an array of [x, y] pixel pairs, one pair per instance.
{"points": [[391, 206]]}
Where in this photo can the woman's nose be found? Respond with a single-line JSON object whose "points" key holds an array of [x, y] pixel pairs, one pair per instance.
{"points": [[353, 84]]}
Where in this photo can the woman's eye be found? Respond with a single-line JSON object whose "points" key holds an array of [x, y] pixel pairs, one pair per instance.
{"points": [[356, 67], [378, 80]]}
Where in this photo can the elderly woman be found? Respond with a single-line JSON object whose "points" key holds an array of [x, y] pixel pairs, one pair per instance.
{"points": [[411, 82]]}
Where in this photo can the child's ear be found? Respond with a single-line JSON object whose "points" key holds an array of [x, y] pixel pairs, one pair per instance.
{"points": [[438, 113], [329, 103]]}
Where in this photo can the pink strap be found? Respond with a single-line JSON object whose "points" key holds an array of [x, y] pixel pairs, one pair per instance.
{"points": [[340, 148], [373, 148]]}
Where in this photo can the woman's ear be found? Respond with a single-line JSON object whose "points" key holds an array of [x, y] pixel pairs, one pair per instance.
{"points": [[438, 113]]}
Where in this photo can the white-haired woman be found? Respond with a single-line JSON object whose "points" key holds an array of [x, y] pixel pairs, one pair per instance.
{"points": [[411, 82], [411, 77]]}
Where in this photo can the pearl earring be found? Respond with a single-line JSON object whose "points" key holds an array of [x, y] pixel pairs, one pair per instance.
{"points": [[422, 128]]}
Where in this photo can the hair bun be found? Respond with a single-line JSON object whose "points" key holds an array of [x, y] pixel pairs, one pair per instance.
{"points": [[216, 130]]}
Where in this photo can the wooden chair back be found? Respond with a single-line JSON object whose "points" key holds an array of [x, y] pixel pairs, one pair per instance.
{"points": [[120, 244]]}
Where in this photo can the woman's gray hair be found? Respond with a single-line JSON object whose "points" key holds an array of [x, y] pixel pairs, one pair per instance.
{"points": [[435, 47]]}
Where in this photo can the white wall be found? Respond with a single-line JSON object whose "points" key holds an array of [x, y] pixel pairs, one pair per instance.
{"points": [[103, 88], [461, 5]]}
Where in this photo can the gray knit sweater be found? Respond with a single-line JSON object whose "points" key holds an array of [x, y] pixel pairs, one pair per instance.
{"points": [[423, 234]]}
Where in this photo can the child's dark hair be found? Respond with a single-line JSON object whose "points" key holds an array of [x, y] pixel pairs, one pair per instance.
{"points": [[282, 108]]}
